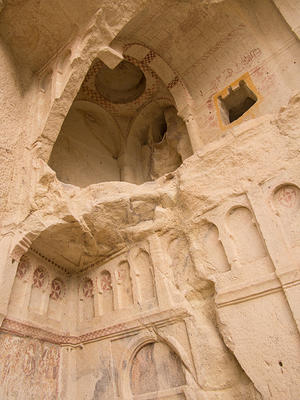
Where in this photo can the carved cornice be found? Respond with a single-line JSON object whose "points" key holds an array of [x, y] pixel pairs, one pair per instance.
{"points": [[155, 320], [98, 262], [267, 285]]}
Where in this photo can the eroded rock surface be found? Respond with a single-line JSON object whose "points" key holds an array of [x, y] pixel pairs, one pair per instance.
{"points": [[150, 210]]}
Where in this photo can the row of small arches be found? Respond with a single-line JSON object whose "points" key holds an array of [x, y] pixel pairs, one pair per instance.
{"points": [[40, 280], [245, 237], [118, 287], [246, 241], [34, 290]]}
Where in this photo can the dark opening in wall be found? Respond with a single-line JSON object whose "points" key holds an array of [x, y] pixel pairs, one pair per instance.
{"points": [[160, 134], [236, 103]]}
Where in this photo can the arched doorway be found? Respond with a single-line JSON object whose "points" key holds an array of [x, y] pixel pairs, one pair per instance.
{"points": [[156, 369]]}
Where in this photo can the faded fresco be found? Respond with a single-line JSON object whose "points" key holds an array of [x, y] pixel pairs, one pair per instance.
{"points": [[28, 369]]}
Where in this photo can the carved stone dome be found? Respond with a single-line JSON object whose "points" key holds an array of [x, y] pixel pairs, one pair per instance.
{"points": [[123, 84]]}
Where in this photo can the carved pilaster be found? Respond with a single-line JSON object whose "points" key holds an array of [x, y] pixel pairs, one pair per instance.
{"points": [[187, 114]]}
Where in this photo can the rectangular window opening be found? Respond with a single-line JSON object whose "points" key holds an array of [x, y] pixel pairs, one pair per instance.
{"points": [[236, 103]]}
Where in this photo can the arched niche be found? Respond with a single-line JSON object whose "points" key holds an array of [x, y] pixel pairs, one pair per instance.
{"points": [[107, 293], [86, 299], [155, 368], [144, 277], [286, 201], [88, 146], [181, 265], [246, 237], [124, 285], [214, 250], [21, 283], [55, 305], [157, 143], [37, 295]]}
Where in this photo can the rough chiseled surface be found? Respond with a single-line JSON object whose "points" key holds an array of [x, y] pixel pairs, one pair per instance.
{"points": [[149, 249]]}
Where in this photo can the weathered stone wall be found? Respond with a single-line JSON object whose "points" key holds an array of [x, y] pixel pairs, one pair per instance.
{"points": [[184, 287]]}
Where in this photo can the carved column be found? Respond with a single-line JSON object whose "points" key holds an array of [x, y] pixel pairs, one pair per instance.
{"points": [[127, 171], [187, 115]]}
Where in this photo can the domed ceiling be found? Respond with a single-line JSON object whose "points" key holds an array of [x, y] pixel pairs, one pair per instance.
{"points": [[125, 89]]}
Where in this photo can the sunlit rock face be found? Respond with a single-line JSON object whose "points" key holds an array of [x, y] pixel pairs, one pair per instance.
{"points": [[150, 200]]}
